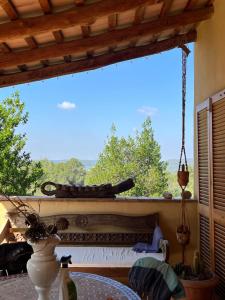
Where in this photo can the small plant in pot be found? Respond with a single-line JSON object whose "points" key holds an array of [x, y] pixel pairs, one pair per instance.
{"points": [[43, 266], [198, 281]]}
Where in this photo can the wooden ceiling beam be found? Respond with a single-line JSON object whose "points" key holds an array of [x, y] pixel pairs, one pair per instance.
{"points": [[167, 4], [46, 6], [82, 15], [9, 8], [96, 62], [58, 35], [104, 40]]}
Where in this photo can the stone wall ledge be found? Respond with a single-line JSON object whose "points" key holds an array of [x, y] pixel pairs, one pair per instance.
{"points": [[117, 199]]}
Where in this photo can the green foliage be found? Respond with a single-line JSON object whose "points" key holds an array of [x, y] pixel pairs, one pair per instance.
{"points": [[18, 173], [69, 172], [138, 157]]}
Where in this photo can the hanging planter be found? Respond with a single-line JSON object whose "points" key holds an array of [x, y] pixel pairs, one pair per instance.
{"points": [[183, 229], [183, 176], [183, 234]]}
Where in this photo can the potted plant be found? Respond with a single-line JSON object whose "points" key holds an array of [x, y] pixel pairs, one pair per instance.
{"points": [[198, 281], [43, 266]]}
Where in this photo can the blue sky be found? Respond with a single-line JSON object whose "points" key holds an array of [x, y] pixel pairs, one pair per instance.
{"points": [[71, 116]]}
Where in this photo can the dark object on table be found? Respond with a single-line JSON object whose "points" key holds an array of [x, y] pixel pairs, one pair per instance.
{"points": [[14, 257], [93, 191], [65, 260]]}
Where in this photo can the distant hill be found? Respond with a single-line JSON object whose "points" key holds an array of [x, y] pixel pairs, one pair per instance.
{"points": [[172, 163], [88, 163]]}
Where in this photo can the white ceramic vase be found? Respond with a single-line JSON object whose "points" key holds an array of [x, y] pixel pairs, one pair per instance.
{"points": [[43, 265]]}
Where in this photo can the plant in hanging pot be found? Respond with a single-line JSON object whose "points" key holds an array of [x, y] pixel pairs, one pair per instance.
{"points": [[198, 281]]}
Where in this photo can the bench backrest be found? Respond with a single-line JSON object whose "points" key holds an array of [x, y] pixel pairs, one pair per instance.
{"points": [[105, 229]]}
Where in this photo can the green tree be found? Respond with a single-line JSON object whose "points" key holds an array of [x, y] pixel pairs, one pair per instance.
{"points": [[138, 157], [18, 173], [69, 172]]}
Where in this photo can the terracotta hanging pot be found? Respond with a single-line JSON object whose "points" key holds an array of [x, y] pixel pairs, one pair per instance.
{"points": [[183, 177], [183, 234]]}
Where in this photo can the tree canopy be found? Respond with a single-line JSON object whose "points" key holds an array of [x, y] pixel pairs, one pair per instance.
{"points": [[18, 173], [138, 157], [67, 172]]}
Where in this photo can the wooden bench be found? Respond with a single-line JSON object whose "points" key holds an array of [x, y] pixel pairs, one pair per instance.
{"points": [[94, 239]]}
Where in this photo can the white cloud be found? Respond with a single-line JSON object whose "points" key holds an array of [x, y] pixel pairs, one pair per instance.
{"points": [[66, 105], [148, 111]]}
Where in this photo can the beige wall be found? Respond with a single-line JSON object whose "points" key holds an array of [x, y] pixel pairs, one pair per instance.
{"points": [[209, 61], [210, 55], [169, 214]]}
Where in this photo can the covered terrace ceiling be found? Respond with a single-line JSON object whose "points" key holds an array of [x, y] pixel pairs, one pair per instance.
{"points": [[41, 39]]}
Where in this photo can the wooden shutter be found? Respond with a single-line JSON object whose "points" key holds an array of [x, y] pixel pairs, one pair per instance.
{"points": [[220, 258], [211, 181], [203, 157], [218, 136], [203, 141], [205, 240]]}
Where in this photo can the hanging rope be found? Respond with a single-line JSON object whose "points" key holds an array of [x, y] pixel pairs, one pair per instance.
{"points": [[183, 230], [183, 177]]}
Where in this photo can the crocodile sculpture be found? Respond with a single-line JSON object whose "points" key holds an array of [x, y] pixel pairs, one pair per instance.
{"points": [[92, 191]]}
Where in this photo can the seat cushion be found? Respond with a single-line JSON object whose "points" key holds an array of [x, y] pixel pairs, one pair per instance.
{"points": [[103, 256]]}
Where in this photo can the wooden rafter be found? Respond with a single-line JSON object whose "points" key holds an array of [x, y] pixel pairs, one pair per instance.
{"points": [[9, 8], [104, 40], [5, 47], [86, 30], [139, 15], [79, 2], [68, 58], [31, 42], [46, 6], [58, 35], [22, 68], [96, 62], [112, 21], [138, 18], [191, 4], [210, 2], [82, 15], [44, 63], [167, 4]]}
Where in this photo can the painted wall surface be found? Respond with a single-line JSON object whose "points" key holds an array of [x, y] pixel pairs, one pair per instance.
{"points": [[169, 215], [209, 61], [209, 55]]}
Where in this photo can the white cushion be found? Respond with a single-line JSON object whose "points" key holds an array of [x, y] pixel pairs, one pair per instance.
{"points": [[92, 256]]}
